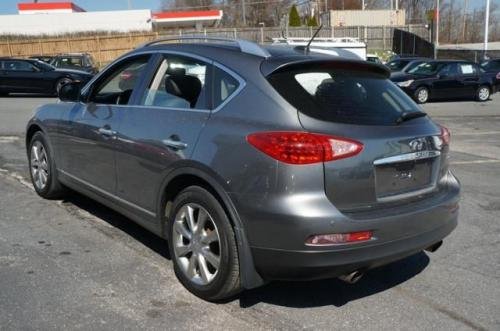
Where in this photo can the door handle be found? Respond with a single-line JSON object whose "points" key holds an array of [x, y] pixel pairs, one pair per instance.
{"points": [[107, 132], [175, 144]]}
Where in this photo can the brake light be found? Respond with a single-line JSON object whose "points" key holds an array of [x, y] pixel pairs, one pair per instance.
{"points": [[338, 238], [445, 135], [304, 147], [498, 76]]}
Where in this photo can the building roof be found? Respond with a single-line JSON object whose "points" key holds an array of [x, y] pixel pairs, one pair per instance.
{"points": [[48, 6]]}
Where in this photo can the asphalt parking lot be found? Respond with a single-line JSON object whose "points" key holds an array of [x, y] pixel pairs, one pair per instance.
{"points": [[75, 264]]}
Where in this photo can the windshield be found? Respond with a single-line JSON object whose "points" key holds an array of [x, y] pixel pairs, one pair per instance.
{"points": [[489, 65], [343, 96], [427, 68], [397, 65]]}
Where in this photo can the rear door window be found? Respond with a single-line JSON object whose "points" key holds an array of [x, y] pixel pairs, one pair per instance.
{"points": [[354, 97], [224, 86], [467, 69]]}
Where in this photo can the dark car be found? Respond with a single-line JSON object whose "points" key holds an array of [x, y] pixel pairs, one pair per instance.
{"points": [[447, 79], [76, 61], [492, 66], [34, 76], [255, 163], [44, 58]]}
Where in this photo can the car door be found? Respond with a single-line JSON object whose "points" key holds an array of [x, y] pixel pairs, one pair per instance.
{"points": [[447, 83], [88, 150], [469, 79], [161, 128], [23, 77]]}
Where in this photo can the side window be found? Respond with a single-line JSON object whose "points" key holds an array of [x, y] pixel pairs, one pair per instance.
{"points": [[449, 70], [467, 69], [15, 65], [179, 82], [224, 86], [117, 86]]}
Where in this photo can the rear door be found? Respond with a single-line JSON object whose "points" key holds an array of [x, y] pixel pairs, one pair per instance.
{"points": [[448, 84], [469, 79], [400, 160], [23, 76], [162, 126]]}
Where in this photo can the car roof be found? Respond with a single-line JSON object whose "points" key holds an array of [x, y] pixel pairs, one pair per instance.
{"points": [[267, 58]]}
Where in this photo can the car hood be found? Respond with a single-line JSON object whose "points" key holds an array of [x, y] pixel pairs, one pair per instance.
{"points": [[72, 71]]}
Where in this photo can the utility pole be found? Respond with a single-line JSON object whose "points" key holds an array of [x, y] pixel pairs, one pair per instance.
{"points": [[243, 12], [464, 25], [129, 4], [363, 5], [436, 42], [486, 27]]}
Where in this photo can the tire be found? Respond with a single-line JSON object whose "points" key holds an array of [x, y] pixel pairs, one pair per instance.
{"points": [[207, 265], [483, 93], [421, 95], [60, 83], [4, 94], [43, 169]]}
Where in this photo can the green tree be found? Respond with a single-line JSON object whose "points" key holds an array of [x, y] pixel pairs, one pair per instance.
{"points": [[294, 19], [311, 21]]}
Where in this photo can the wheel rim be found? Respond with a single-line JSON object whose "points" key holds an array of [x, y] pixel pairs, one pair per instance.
{"points": [[196, 243], [61, 83], [484, 93], [39, 165], [423, 95]]}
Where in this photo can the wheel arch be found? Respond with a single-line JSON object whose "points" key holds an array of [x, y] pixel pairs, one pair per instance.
{"points": [[186, 176], [30, 131]]}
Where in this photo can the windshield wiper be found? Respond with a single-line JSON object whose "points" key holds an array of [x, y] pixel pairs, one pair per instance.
{"points": [[409, 115]]}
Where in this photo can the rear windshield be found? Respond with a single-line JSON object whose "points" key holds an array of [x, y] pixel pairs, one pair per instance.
{"points": [[343, 96]]}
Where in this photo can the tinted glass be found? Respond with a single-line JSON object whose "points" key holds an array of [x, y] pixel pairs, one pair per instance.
{"points": [[117, 85], [427, 68], [491, 65], [343, 96], [397, 65], [179, 82], [224, 86], [71, 61], [13, 65], [449, 70]]}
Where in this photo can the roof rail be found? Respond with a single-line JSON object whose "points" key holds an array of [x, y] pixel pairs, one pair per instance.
{"points": [[245, 46]]}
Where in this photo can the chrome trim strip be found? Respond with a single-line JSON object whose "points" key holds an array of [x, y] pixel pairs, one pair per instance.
{"points": [[112, 196], [407, 195], [407, 157]]}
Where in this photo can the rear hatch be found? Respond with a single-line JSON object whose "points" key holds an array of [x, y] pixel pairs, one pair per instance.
{"points": [[404, 152]]}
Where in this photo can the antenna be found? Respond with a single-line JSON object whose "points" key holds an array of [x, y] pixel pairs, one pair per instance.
{"points": [[306, 49]]}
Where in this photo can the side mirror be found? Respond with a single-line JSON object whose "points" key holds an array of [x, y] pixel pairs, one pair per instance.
{"points": [[70, 92]]}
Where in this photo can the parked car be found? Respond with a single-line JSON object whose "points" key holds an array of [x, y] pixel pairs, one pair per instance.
{"points": [[34, 76], [255, 163], [77, 61], [373, 58], [404, 64], [447, 79], [44, 58], [492, 66]]}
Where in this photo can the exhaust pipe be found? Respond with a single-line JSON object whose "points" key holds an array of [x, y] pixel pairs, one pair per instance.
{"points": [[352, 278], [434, 247]]}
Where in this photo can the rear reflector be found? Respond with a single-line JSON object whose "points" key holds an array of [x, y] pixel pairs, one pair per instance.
{"points": [[304, 147], [338, 238]]}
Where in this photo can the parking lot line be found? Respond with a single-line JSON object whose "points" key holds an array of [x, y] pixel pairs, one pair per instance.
{"points": [[475, 162], [484, 133]]}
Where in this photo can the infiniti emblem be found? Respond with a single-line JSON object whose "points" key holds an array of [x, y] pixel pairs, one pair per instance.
{"points": [[418, 144]]}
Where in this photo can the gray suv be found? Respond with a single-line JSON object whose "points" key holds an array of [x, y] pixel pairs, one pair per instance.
{"points": [[255, 163]]}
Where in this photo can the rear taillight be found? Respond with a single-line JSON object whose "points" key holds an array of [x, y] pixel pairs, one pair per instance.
{"points": [[498, 76], [445, 135], [304, 147], [338, 238]]}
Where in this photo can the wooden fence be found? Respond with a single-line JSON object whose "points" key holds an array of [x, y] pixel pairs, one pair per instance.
{"points": [[105, 47]]}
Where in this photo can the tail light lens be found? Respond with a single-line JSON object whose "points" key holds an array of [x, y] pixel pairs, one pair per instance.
{"points": [[445, 135], [338, 238], [498, 76], [304, 147]]}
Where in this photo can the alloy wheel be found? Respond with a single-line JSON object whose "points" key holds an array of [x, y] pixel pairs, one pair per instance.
{"points": [[484, 93], [423, 95], [196, 244], [39, 165]]}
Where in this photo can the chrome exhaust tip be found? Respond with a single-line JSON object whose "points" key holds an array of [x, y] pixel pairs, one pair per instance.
{"points": [[434, 247], [352, 278]]}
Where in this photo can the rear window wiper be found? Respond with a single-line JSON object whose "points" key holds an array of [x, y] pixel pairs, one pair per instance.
{"points": [[409, 115]]}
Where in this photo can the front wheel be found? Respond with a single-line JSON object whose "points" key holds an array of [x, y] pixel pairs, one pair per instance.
{"points": [[203, 245], [483, 93], [421, 95]]}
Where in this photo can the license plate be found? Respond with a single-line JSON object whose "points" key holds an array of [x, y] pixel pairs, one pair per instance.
{"points": [[403, 177]]}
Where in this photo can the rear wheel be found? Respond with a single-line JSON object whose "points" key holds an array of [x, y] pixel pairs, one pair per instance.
{"points": [[203, 245], [483, 93], [43, 169], [421, 95]]}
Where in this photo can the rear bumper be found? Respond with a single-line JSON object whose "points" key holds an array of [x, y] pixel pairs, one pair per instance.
{"points": [[277, 231]]}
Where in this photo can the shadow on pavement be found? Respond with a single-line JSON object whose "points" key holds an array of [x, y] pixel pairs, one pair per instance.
{"points": [[289, 294], [334, 291]]}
